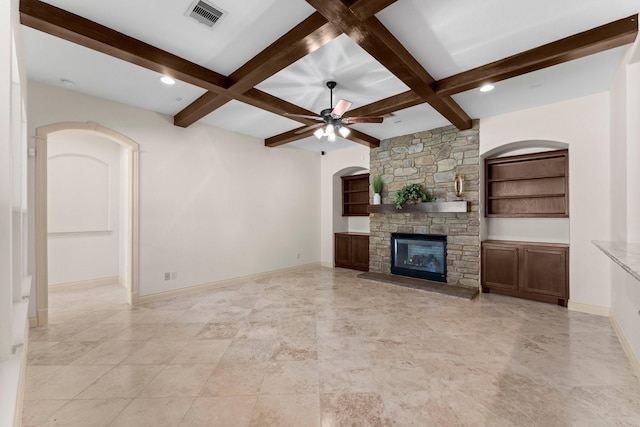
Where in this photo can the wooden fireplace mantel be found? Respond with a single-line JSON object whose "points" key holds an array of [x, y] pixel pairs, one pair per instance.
{"points": [[435, 207]]}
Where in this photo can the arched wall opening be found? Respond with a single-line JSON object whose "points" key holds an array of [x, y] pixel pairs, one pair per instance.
{"points": [[130, 169], [345, 223], [553, 230]]}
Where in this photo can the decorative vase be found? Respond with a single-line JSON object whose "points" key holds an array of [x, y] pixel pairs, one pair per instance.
{"points": [[376, 199]]}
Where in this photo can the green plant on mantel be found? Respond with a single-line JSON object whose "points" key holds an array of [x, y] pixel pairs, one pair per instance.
{"points": [[377, 184], [411, 193]]}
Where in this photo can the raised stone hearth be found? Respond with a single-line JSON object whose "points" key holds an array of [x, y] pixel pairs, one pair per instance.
{"points": [[424, 285], [433, 159]]}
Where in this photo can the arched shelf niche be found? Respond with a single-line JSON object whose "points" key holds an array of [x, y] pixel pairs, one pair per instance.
{"points": [[552, 230]]}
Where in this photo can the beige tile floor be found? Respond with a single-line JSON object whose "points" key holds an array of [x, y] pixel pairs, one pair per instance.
{"points": [[320, 347]]}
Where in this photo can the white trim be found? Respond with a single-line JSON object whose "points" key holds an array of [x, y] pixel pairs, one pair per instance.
{"points": [[327, 264], [219, 284], [75, 232], [589, 309], [22, 383], [633, 358], [85, 283]]}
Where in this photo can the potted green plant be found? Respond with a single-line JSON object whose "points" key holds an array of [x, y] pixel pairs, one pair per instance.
{"points": [[427, 197], [376, 183], [411, 193]]}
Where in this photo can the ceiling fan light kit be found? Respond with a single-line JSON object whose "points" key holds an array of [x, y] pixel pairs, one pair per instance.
{"points": [[332, 118]]}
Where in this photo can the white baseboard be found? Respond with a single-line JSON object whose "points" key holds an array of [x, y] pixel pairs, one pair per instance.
{"points": [[589, 309], [327, 264], [143, 299], [84, 283], [633, 358]]}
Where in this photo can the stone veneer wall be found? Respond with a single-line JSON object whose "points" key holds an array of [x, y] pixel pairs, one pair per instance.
{"points": [[431, 158]]}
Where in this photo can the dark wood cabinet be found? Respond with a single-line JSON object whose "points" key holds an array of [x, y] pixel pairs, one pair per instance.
{"points": [[529, 185], [355, 195], [352, 251], [538, 271]]}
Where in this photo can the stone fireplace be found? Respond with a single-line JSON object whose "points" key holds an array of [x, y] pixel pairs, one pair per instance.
{"points": [[433, 159]]}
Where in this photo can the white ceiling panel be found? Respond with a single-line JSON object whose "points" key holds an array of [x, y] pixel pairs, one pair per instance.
{"points": [[240, 117], [574, 79], [361, 79], [50, 59], [448, 37], [248, 27]]}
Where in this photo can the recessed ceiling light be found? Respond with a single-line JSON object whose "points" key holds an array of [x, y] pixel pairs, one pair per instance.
{"points": [[486, 88], [66, 82], [167, 80]]}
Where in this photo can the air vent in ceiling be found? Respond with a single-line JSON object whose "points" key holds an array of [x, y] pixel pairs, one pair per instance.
{"points": [[205, 13]]}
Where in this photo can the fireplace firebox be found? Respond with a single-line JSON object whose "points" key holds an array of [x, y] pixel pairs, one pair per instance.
{"points": [[419, 255]]}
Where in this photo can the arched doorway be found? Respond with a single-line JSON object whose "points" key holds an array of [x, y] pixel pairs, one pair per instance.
{"points": [[131, 241]]}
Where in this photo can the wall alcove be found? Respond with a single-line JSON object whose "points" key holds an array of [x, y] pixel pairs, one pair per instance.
{"points": [[554, 230]]}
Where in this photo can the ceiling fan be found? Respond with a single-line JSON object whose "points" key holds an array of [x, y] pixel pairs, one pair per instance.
{"points": [[332, 119]]}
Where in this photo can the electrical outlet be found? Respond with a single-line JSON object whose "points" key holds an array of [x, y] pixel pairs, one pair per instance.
{"points": [[174, 275], [167, 276]]}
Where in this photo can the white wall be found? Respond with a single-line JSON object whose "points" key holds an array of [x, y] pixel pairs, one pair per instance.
{"points": [[14, 290], [214, 204], [625, 200], [334, 164], [83, 207], [583, 124]]}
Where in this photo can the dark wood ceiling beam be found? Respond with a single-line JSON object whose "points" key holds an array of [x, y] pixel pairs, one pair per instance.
{"points": [[60, 23], [599, 39], [311, 34], [287, 137], [292, 135], [365, 9], [199, 108], [304, 38], [374, 37], [275, 105], [363, 139], [388, 105]]}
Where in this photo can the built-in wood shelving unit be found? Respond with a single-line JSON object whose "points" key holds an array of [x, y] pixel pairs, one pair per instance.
{"points": [[529, 185], [355, 195]]}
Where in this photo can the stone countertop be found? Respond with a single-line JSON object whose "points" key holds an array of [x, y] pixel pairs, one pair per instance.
{"points": [[626, 255]]}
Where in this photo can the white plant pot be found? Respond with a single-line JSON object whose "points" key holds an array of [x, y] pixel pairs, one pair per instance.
{"points": [[376, 199]]}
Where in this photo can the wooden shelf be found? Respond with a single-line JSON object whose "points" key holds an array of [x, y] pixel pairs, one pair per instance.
{"points": [[529, 185], [525, 178], [355, 195], [433, 207], [526, 196]]}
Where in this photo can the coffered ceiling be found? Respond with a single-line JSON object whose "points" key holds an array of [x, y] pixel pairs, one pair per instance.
{"points": [[418, 62]]}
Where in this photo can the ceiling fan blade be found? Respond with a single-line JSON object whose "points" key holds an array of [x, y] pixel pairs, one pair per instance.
{"points": [[304, 116], [341, 108], [351, 120], [308, 128]]}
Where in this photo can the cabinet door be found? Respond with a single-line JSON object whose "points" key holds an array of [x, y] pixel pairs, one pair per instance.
{"points": [[342, 250], [360, 252], [545, 271], [500, 266]]}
